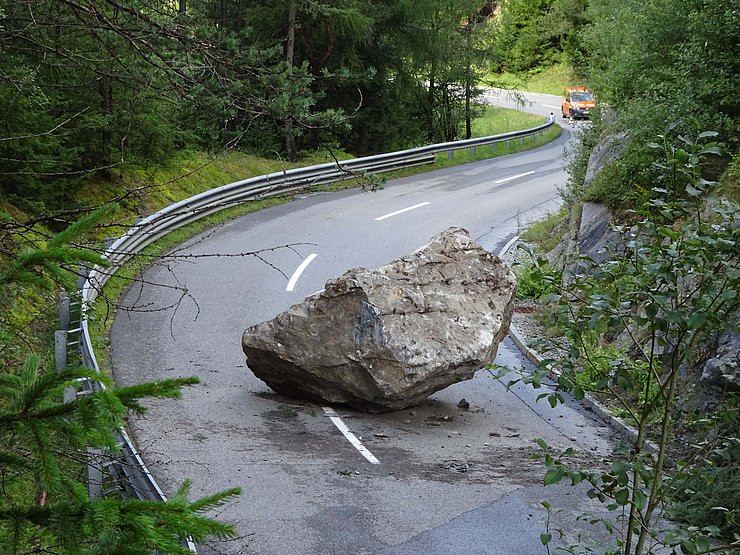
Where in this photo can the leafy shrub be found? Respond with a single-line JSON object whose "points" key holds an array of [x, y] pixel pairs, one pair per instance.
{"points": [[671, 287], [709, 493], [535, 276]]}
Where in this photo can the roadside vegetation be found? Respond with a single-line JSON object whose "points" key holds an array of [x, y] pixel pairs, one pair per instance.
{"points": [[551, 79], [635, 326]]}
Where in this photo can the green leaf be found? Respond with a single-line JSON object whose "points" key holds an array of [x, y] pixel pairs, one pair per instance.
{"points": [[622, 496], [696, 320], [702, 544], [692, 191], [651, 310], [546, 538], [640, 500], [554, 475]]}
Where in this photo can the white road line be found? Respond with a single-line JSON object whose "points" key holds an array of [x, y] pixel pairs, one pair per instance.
{"points": [[507, 246], [352, 438], [553, 107], [505, 179], [401, 211], [299, 271]]}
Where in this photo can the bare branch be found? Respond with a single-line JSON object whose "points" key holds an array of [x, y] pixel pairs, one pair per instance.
{"points": [[48, 132]]}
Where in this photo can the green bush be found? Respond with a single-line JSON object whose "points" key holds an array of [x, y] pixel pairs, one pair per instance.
{"points": [[668, 290], [535, 276], [709, 495]]}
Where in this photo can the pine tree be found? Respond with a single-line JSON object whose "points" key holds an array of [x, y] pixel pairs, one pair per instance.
{"points": [[44, 440]]}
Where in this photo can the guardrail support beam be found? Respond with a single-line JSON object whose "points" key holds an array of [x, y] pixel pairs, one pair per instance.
{"points": [[95, 473], [60, 350], [64, 310]]}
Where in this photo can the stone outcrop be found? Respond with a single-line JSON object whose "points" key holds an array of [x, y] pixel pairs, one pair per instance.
{"points": [[384, 339], [609, 149], [723, 369], [588, 229]]}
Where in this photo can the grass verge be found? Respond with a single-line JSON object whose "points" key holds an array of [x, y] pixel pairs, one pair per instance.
{"points": [[550, 80]]}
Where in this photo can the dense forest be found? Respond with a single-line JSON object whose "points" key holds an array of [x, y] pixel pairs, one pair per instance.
{"points": [[90, 87], [91, 91]]}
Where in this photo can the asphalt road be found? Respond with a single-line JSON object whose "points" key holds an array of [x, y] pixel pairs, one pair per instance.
{"points": [[446, 480]]}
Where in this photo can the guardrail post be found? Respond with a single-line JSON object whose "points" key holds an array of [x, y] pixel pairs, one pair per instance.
{"points": [[82, 275], [64, 310], [95, 473], [70, 394], [450, 154], [473, 150], [521, 140], [60, 350]]}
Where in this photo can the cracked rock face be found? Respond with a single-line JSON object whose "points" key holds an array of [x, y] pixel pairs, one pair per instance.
{"points": [[384, 339]]}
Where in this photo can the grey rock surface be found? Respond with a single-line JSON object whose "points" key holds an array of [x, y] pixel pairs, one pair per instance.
{"points": [[596, 239], [609, 149], [588, 229], [384, 339], [723, 370]]}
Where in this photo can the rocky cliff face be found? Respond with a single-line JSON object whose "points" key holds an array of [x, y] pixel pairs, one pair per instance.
{"points": [[589, 234]]}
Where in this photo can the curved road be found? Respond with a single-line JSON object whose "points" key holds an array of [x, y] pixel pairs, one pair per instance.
{"points": [[444, 480]]}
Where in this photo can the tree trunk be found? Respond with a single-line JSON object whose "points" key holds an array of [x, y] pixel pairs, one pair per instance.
{"points": [[182, 7], [363, 141], [290, 148], [223, 15], [240, 15], [431, 134], [105, 90]]}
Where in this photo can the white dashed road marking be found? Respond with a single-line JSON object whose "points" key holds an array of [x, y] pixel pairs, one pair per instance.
{"points": [[352, 438], [401, 211], [512, 177], [299, 271]]}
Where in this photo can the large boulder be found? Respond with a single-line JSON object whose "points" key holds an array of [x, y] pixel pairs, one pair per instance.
{"points": [[384, 339]]}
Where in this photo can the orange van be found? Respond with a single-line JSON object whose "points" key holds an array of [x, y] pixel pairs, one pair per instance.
{"points": [[578, 102]]}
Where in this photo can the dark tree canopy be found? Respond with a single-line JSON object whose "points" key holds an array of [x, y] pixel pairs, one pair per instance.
{"points": [[88, 86]]}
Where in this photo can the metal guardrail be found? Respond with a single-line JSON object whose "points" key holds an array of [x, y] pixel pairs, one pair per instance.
{"points": [[130, 469]]}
